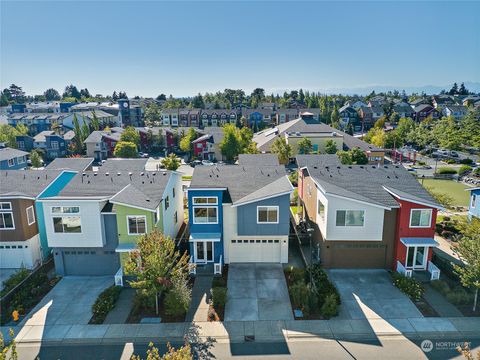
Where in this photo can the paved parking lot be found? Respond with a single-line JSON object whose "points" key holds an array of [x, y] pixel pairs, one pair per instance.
{"points": [[257, 292], [370, 294], [69, 302]]}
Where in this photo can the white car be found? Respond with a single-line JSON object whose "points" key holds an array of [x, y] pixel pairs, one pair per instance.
{"points": [[207, 163]]}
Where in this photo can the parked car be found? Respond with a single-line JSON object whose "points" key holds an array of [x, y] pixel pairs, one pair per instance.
{"points": [[143, 155], [207, 163], [195, 163], [453, 154]]}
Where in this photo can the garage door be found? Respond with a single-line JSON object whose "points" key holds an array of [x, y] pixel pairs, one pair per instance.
{"points": [[358, 256], [90, 262], [15, 256], [255, 251]]}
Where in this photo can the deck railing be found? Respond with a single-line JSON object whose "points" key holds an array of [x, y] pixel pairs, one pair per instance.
{"points": [[119, 277], [402, 270], [433, 270], [192, 267], [217, 267]]}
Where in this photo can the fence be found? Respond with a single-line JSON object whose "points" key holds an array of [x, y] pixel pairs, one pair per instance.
{"points": [[5, 301]]}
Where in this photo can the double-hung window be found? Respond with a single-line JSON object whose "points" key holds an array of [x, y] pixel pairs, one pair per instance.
{"points": [[420, 218], [267, 214], [350, 217], [205, 210], [30, 215], [137, 225], [66, 219], [321, 210], [11, 162], [6, 216]]}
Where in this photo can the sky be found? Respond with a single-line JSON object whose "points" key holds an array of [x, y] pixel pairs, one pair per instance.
{"points": [[182, 48]]}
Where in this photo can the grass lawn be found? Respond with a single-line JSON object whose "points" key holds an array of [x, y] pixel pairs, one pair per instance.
{"points": [[452, 188], [186, 177]]}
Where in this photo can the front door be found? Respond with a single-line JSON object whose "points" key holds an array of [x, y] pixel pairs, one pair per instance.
{"points": [[204, 251], [416, 257]]}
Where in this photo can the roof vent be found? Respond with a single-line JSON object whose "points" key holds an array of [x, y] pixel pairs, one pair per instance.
{"points": [[164, 173], [107, 173], [315, 167], [119, 173], [83, 174], [338, 167], [361, 166], [349, 166], [142, 173], [95, 174]]}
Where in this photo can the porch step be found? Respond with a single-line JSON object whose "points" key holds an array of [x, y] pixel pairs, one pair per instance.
{"points": [[422, 276], [204, 270]]}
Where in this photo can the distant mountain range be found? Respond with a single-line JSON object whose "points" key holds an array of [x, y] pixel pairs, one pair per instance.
{"points": [[365, 90]]}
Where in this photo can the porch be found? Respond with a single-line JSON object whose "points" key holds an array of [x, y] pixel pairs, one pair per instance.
{"points": [[206, 253], [415, 260]]}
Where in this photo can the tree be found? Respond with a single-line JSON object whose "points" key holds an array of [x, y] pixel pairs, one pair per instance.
{"points": [[186, 141], [71, 91], [130, 134], [95, 123], [282, 149], [468, 250], [380, 123], [198, 102], [358, 156], [378, 137], [182, 353], [35, 159], [161, 97], [345, 157], [330, 147], [84, 93], [305, 146], [463, 90], [230, 145], [52, 95], [78, 135], [171, 162], [335, 116], [152, 114], [16, 94], [156, 265], [251, 149], [125, 149], [8, 134], [453, 90], [114, 96]]}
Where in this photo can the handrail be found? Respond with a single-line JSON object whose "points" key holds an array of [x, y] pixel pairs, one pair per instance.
{"points": [[402, 270], [433, 270], [119, 277]]}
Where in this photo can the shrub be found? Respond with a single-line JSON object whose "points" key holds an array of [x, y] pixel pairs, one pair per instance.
{"points": [[449, 161], [330, 306], [105, 303], [446, 171], [299, 293], [295, 274], [477, 171], [178, 298], [441, 286], [409, 286], [466, 161], [219, 281], [464, 169], [219, 297], [459, 297], [15, 279]]}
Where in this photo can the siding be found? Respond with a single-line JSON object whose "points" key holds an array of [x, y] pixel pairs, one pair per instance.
{"points": [[22, 230], [247, 217], [122, 213]]}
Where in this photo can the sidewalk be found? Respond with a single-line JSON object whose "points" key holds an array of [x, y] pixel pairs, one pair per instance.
{"points": [[236, 331], [122, 308]]}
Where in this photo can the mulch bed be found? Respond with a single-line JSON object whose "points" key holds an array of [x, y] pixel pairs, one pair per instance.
{"points": [[217, 314], [137, 314], [424, 307]]}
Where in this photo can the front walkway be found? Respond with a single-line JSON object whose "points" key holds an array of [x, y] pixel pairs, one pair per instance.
{"points": [[122, 309], [199, 305], [257, 291]]}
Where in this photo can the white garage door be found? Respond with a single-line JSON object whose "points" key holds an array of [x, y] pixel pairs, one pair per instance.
{"points": [[15, 256], [255, 251]]}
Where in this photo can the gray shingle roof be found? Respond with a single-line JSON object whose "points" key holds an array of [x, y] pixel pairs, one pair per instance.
{"points": [[28, 183], [367, 183], [116, 164], [258, 159], [75, 164], [40, 137], [317, 160], [9, 153], [243, 183]]}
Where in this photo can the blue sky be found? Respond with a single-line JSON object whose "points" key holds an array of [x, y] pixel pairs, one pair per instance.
{"points": [[181, 48]]}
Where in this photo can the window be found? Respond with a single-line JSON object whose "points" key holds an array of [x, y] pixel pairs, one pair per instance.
{"points": [[350, 218], [54, 144], [30, 215], [67, 224], [173, 193], [21, 160], [175, 217], [6, 216], [420, 217], [21, 144], [205, 200], [137, 225], [321, 210], [267, 214], [474, 200], [205, 215], [11, 162], [167, 203], [65, 209]]}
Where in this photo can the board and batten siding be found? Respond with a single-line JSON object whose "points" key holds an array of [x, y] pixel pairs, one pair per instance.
{"points": [[247, 217]]}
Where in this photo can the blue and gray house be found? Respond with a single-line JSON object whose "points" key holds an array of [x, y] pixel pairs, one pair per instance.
{"points": [[239, 213], [474, 205], [12, 159]]}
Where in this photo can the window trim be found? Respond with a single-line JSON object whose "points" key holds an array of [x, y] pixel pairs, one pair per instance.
{"points": [[33, 215], [204, 197], [11, 162], [13, 221], [136, 216], [420, 226], [276, 207], [61, 216], [473, 202], [347, 210], [6, 202], [202, 207]]}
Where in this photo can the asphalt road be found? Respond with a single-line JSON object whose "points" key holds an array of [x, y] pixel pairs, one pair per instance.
{"points": [[385, 348]]}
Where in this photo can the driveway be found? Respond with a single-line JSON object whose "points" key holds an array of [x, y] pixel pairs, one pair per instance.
{"points": [[69, 302], [257, 292], [370, 294]]}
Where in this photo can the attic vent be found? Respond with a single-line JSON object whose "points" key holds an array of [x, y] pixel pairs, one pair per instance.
{"points": [[338, 167], [388, 177], [268, 174], [154, 174], [147, 200], [143, 182]]}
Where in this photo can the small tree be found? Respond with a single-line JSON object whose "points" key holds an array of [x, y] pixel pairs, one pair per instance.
{"points": [[468, 250], [331, 147], [35, 159], [95, 123], [358, 156], [157, 265], [125, 149], [305, 146], [186, 141], [130, 134], [171, 162], [282, 149], [182, 353], [345, 157], [231, 145]]}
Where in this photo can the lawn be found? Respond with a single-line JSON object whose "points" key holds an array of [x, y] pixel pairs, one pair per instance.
{"points": [[452, 188]]}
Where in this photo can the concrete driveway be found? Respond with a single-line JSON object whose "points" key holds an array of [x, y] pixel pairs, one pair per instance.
{"points": [[69, 302], [370, 294], [257, 292]]}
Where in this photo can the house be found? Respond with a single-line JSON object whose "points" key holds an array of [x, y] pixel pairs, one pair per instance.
{"points": [[36, 122], [12, 159], [104, 118], [258, 159], [77, 164], [94, 222], [217, 117], [189, 117], [130, 113], [23, 240], [311, 114], [101, 144], [356, 104], [374, 154], [234, 221], [418, 102], [404, 110], [24, 142], [51, 143], [294, 131], [377, 112], [285, 115], [421, 112], [257, 117], [474, 205], [456, 111], [470, 100], [440, 101], [207, 146], [169, 117], [367, 216], [366, 116], [349, 116]]}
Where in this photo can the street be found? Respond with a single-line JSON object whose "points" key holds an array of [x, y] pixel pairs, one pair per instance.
{"points": [[382, 348]]}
